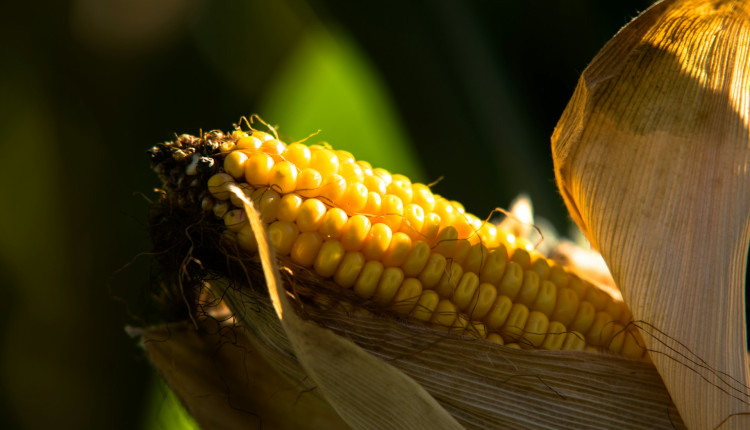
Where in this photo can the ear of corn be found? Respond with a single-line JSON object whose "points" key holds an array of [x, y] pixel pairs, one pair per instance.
{"points": [[409, 250]]}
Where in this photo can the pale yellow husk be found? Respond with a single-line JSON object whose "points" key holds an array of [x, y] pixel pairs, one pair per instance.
{"points": [[652, 156]]}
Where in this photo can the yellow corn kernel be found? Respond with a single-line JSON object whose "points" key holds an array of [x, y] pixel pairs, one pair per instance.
{"points": [[546, 300], [433, 271], [383, 175], [400, 186], [218, 185], [345, 157], [567, 306], [430, 227], [333, 223], [495, 338], [351, 172], [574, 341], [282, 235], [273, 147], [388, 286], [476, 329], [559, 276], [328, 259], [235, 219], [354, 198], [513, 328], [289, 207], [306, 247], [417, 258], [349, 269], [251, 143], [464, 226], [283, 177], [309, 182], [311, 215], [368, 279], [446, 241], [555, 338], [355, 232], [598, 298], [584, 317], [333, 188], [508, 240], [377, 242], [262, 135], [246, 239], [392, 210], [482, 301], [618, 338], [522, 257], [512, 280], [234, 164], [576, 284], [529, 288], [258, 169], [446, 211], [324, 161], [373, 204], [450, 279], [600, 332], [460, 324], [463, 246], [366, 168], [267, 202], [465, 290], [426, 305], [398, 251], [220, 208], [413, 220], [422, 196], [541, 267], [488, 235], [615, 308], [407, 296], [298, 154], [494, 267], [476, 257], [445, 314], [374, 184], [633, 345], [498, 314], [536, 329]]}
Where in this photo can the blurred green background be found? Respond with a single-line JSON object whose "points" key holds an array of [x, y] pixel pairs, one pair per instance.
{"points": [[465, 90]]}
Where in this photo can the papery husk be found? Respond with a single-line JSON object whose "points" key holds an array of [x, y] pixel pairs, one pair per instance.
{"points": [[225, 383], [379, 372], [652, 156]]}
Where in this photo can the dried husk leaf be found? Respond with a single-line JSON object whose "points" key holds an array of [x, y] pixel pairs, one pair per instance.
{"points": [[226, 383], [481, 384], [652, 156]]}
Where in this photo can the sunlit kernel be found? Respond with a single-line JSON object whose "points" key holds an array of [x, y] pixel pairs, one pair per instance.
{"points": [[298, 154]]}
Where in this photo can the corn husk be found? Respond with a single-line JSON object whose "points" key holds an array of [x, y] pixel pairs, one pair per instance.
{"points": [[377, 372], [652, 156]]}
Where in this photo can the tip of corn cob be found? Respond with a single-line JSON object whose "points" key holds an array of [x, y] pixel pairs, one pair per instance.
{"points": [[365, 236]]}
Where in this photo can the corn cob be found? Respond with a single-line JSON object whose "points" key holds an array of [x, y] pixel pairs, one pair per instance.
{"points": [[395, 243]]}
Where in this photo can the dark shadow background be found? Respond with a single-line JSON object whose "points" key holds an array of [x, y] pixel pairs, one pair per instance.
{"points": [[86, 86]]}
